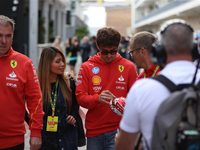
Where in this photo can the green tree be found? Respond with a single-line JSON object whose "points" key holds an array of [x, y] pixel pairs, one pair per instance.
{"points": [[82, 30], [41, 30], [50, 30]]}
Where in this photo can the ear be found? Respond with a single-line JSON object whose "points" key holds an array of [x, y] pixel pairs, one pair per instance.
{"points": [[143, 51]]}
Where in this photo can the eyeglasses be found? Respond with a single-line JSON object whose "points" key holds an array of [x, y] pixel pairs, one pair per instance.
{"points": [[131, 52], [112, 52]]}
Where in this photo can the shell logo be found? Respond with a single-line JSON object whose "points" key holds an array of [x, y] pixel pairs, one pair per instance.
{"points": [[96, 80]]}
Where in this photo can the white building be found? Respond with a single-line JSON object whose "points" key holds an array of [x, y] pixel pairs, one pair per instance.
{"points": [[150, 14], [56, 17]]}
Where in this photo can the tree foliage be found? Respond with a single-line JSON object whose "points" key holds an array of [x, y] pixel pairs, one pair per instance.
{"points": [[82, 31]]}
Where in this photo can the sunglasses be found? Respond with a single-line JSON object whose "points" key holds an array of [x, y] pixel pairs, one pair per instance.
{"points": [[131, 52], [112, 52]]}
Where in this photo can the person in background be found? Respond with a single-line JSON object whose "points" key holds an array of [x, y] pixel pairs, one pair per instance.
{"points": [[18, 79], [100, 79], [58, 43], [143, 100], [123, 47], [85, 47], [94, 49], [140, 52], [72, 49], [59, 102]]}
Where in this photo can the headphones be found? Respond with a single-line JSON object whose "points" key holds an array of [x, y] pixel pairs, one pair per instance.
{"points": [[158, 53]]}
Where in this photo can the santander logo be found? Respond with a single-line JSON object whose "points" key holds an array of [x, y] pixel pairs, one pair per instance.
{"points": [[12, 75], [121, 78]]}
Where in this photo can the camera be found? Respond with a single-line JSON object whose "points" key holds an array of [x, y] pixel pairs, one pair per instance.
{"points": [[188, 140]]}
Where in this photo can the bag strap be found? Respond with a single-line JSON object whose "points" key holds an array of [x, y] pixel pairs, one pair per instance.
{"points": [[168, 83], [198, 86], [138, 143]]}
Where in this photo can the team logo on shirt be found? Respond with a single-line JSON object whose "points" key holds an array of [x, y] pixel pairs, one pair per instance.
{"points": [[12, 76], [12, 85], [96, 80], [121, 78], [13, 63], [97, 89], [95, 70], [121, 68], [78, 82]]}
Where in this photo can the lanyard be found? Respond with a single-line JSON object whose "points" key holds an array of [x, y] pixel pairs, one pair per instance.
{"points": [[53, 104], [153, 72]]}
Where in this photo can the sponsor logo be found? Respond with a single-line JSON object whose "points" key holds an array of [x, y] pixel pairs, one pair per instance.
{"points": [[33, 66], [12, 76], [11, 85], [91, 64], [13, 63], [120, 87], [79, 72], [35, 73], [80, 76], [121, 78], [97, 88], [120, 82], [121, 68], [96, 80], [95, 70], [78, 82]]}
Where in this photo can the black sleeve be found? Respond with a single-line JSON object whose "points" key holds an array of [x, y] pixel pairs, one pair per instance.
{"points": [[67, 50], [75, 113], [75, 106]]}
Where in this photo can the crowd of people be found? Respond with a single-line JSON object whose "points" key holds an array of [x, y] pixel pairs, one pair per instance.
{"points": [[53, 96]]}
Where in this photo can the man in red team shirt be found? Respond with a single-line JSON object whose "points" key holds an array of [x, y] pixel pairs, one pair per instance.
{"points": [[102, 77], [18, 79], [141, 46]]}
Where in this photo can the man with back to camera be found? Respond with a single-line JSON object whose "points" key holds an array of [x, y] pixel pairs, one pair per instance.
{"points": [[146, 95], [141, 46], [102, 77], [18, 80]]}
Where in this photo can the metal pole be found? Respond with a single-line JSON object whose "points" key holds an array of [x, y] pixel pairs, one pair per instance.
{"points": [[33, 31]]}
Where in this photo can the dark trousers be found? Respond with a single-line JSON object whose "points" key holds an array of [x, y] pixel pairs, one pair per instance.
{"points": [[18, 147]]}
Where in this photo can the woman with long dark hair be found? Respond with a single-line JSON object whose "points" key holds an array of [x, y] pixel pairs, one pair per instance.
{"points": [[59, 102]]}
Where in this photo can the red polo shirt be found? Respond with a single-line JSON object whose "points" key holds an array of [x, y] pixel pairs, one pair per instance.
{"points": [[149, 72]]}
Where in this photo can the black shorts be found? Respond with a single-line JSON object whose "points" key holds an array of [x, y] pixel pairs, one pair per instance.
{"points": [[72, 63]]}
